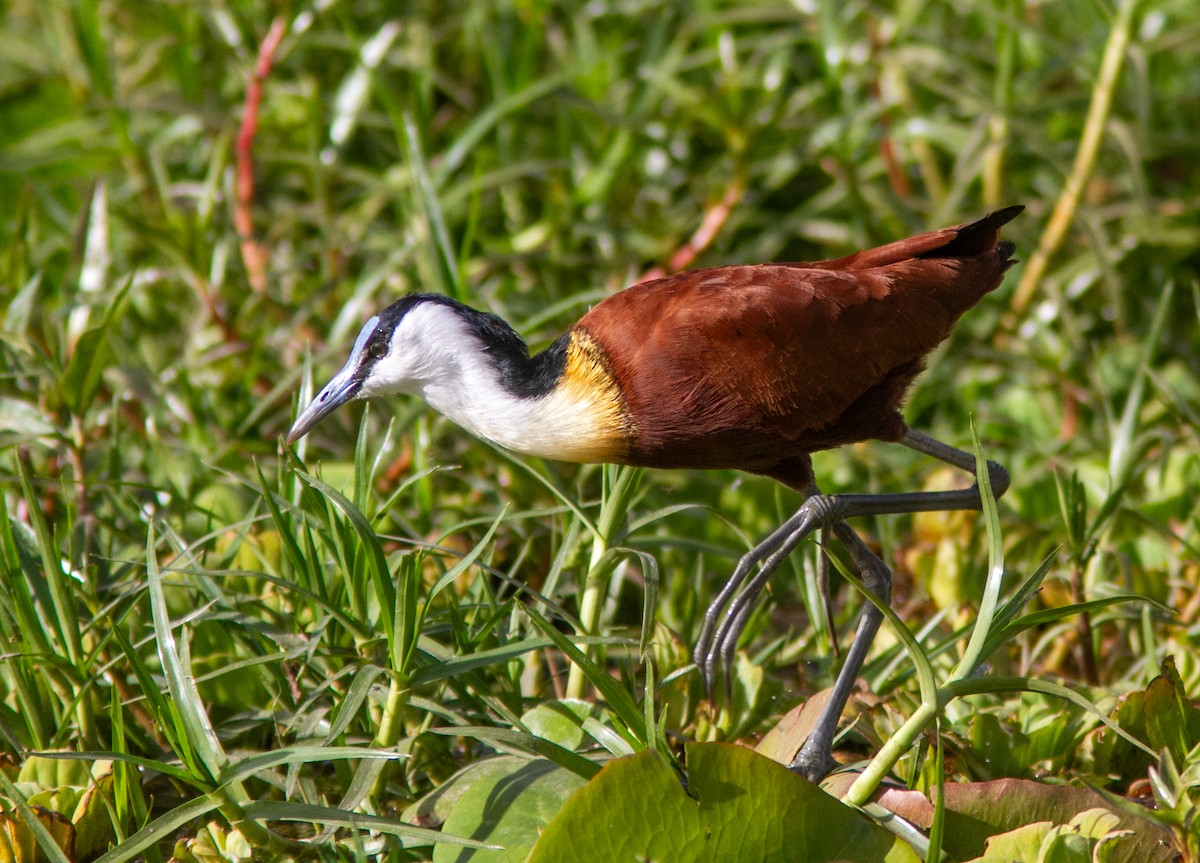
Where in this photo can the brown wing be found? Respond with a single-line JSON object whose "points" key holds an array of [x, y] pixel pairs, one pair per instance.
{"points": [[751, 366]]}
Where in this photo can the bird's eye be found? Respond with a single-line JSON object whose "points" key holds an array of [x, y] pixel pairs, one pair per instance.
{"points": [[377, 349]]}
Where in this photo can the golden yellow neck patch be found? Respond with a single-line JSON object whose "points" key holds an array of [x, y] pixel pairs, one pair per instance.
{"points": [[587, 380]]}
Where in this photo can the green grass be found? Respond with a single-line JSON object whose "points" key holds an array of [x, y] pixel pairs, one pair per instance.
{"points": [[274, 647]]}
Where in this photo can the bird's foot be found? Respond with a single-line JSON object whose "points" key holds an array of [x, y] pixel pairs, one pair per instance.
{"points": [[726, 617]]}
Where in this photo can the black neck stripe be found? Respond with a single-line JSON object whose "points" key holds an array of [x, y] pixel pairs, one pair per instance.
{"points": [[522, 375]]}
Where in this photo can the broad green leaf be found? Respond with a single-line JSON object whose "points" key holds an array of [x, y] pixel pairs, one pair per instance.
{"points": [[1089, 837], [507, 802], [47, 772], [1172, 721], [559, 721], [1023, 845], [738, 805]]}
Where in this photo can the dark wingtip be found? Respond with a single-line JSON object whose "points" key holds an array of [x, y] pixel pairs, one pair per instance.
{"points": [[988, 227], [975, 238], [1001, 217]]}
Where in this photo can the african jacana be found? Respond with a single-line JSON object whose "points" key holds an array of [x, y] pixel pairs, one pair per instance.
{"points": [[747, 367]]}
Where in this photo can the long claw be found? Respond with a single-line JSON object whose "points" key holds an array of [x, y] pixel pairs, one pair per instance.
{"points": [[713, 632]]}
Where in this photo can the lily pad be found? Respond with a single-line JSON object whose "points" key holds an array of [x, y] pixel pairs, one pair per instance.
{"points": [[505, 802], [738, 805]]}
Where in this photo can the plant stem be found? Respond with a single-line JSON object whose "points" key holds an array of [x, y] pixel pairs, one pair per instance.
{"points": [[620, 485], [1085, 156], [391, 724], [891, 751]]}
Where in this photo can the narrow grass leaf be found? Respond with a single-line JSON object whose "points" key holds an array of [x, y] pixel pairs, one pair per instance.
{"points": [[428, 198], [362, 476], [92, 355], [613, 692], [653, 738], [607, 737], [180, 683], [467, 560], [1017, 602], [989, 602], [920, 659], [92, 44], [938, 827], [650, 586], [150, 764], [159, 830], [61, 596], [993, 685], [565, 499], [356, 695], [380, 575], [248, 767], [166, 714], [521, 741], [283, 810], [1121, 459], [484, 121], [284, 526], [1051, 615], [351, 98], [403, 642], [443, 669]]}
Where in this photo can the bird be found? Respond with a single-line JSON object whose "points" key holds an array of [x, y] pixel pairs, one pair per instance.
{"points": [[747, 367]]}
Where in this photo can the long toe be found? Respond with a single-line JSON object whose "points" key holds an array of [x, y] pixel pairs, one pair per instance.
{"points": [[705, 661]]}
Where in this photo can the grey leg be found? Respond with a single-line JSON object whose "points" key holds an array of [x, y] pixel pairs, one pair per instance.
{"points": [[815, 758], [726, 616]]}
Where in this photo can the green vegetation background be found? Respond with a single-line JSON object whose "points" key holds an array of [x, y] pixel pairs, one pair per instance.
{"points": [[163, 303]]}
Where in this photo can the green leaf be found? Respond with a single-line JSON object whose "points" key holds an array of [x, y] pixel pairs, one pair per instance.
{"points": [[375, 559], [1089, 837], [978, 810], [309, 813], [506, 802], [159, 830], [508, 738], [1171, 719], [614, 693], [185, 698], [91, 355], [738, 805], [989, 603], [559, 721]]}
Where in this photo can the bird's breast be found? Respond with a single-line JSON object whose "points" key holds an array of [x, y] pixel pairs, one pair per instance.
{"points": [[583, 418]]}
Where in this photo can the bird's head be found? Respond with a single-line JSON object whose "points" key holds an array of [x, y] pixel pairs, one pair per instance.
{"points": [[397, 351]]}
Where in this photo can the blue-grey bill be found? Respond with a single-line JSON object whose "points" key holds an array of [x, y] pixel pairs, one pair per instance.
{"points": [[343, 387], [336, 393]]}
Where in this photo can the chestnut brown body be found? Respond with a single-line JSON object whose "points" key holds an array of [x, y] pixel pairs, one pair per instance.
{"points": [[756, 367]]}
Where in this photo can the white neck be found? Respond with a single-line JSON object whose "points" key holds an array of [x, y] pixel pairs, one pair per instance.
{"points": [[453, 373], [560, 425]]}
